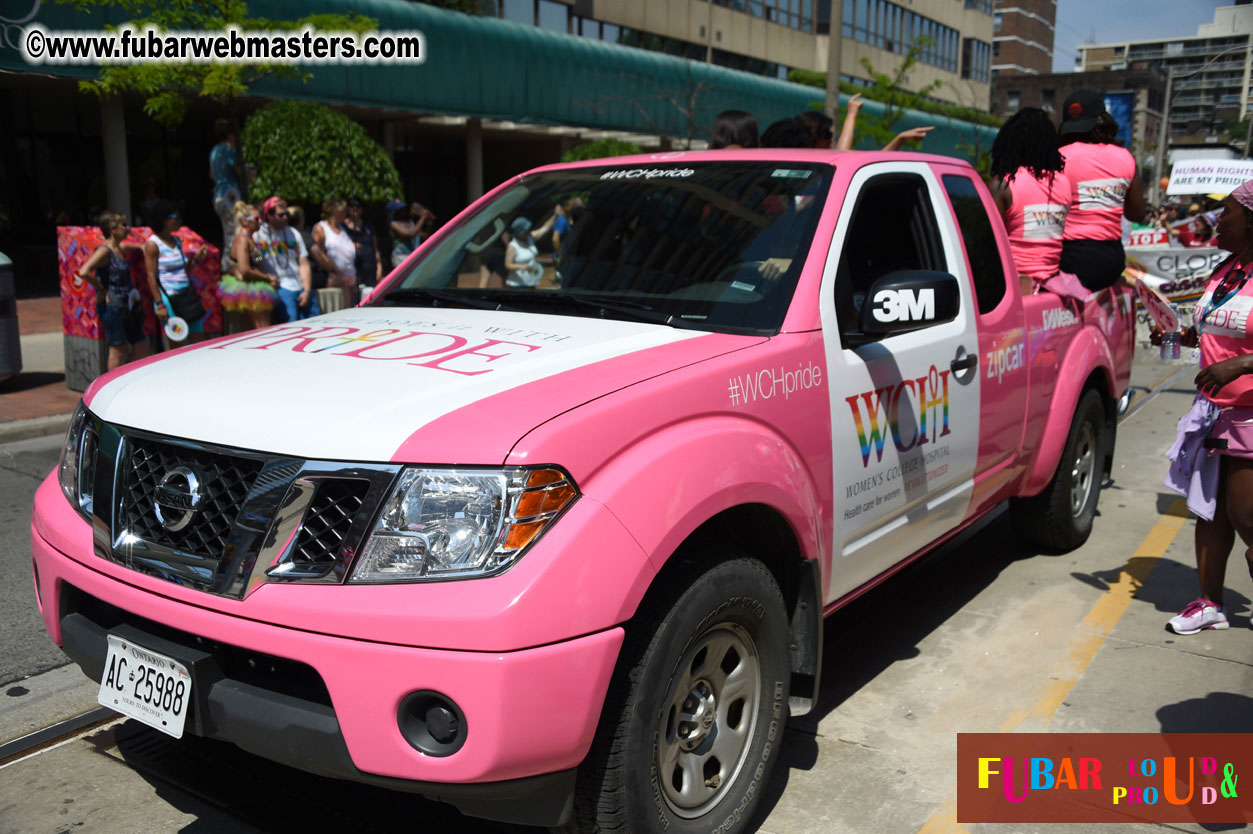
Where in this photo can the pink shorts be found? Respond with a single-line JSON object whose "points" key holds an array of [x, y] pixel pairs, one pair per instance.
{"points": [[1232, 433]]}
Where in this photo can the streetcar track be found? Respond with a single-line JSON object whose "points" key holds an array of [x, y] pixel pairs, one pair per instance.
{"points": [[52, 735], [1161, 385]]}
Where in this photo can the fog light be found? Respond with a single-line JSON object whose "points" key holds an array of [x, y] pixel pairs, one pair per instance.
{"points": [[431, 723]]}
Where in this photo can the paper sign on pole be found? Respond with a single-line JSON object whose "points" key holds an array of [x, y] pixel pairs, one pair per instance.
{"points": [[1209, 176]]}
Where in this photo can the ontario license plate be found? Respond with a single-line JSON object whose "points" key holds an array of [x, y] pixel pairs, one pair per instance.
{"points": [[147, 686]]}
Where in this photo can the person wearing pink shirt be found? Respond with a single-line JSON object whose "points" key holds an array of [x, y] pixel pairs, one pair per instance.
{"points": [[1033, 195], [1104, 187], [1212, 459]]}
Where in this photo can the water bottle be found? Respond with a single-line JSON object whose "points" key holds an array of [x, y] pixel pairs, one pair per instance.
{"points": [[1170, 346]]}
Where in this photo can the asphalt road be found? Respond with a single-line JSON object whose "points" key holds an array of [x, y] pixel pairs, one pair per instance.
{"points": [[26, 648]]}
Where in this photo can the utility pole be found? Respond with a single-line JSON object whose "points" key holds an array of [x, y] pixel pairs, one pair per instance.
{"points": [[835, 37]]}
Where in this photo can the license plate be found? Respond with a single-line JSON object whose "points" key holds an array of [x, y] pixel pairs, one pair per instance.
{"points": [[147, 686]]}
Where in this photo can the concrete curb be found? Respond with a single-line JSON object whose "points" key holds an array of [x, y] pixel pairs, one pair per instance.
{"points": [[14, 430]]}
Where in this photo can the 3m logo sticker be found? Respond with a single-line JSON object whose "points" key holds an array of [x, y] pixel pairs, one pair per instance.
{"points": [[904, 305]]}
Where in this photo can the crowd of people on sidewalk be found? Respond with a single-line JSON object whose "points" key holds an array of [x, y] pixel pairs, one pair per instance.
{"points": [[272, 266]]}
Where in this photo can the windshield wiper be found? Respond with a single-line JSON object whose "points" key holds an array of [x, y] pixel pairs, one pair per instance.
{"points": [[632, 310], [442, 298]]}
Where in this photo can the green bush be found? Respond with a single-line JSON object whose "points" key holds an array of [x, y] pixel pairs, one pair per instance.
{"points": [[307, 152], [965, 114], [599, 149]]}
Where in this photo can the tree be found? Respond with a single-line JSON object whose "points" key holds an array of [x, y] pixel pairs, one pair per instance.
{"points": [[307, 152], [890, 90], [168, 87], [600, 148]]}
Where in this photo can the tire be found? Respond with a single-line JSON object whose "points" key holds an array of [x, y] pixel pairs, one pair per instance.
{"points": [[692, 726], [1060, 517]]}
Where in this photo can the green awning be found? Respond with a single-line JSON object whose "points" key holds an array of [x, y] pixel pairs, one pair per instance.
{"points": [[493, 69]]}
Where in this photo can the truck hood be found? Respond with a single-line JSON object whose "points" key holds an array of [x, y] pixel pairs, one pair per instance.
{"points": [[369, 384]]}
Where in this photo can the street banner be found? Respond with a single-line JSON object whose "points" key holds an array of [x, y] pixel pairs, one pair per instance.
{"points": [[1140, 238], [1178, 274], [1209, 176]]}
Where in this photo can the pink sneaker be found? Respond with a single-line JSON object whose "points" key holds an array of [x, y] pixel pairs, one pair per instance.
{"points": [[1197, 615]]}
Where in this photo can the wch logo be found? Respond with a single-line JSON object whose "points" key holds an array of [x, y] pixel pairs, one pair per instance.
{"points": [[904, 305], [877, 413]]}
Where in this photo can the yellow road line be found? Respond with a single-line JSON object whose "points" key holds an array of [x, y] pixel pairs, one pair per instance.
{"points": [[1090, 636]]}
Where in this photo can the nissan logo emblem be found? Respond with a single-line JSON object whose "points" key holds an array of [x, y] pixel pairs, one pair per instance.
{"points": [[178, 498]]}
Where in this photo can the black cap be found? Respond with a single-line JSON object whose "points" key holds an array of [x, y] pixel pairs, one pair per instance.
{"points": [[1080, 111]]}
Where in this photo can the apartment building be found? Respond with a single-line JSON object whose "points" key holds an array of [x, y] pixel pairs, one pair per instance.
{"points": [[1209, 72], [1022, 38], [770, 37]]}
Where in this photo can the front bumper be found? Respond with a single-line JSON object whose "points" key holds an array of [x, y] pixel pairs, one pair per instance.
{"points": [[530, 714]]}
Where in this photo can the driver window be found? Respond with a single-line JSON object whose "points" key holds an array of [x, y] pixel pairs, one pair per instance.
{"points": [[893, 228]]}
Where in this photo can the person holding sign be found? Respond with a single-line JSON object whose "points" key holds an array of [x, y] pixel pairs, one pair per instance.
{"points": [[1212, 459], [1105, 186]]}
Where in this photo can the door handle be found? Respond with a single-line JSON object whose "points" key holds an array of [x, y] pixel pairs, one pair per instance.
{"points": [[963, 362]]}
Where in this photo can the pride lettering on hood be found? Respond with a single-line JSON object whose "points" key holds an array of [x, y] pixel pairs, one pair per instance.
{"points": [[877, 413], [442, 351]]}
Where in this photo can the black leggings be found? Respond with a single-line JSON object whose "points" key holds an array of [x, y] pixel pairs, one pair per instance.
{"points": [[1098, 263]]}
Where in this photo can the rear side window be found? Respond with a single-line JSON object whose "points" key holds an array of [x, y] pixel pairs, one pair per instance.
{"points": [[981, 247], [893, 228]]}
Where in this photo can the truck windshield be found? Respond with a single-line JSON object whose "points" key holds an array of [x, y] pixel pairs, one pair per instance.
{"points": [[711, 246]]}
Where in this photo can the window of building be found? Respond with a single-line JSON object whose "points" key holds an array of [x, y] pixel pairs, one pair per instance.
{"points": [[610, 32], [996, 22], [996, 49], [1012, 101], [554, 16], [518, 11], [984, 6], [976, 60], [888, 26], [1048, 100]]}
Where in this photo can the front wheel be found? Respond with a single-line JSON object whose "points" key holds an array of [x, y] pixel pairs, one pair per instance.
{"points": [[694, 719], [1061, 517]]}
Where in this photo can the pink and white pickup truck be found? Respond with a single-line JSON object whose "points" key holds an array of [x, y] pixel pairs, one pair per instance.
{"points": [[554, 544]]}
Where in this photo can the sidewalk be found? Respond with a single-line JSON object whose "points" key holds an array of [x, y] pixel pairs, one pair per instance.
{"points": [[36, 402]]}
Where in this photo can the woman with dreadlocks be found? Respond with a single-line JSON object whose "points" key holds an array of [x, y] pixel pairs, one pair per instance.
{"points": [[1033, 195]]}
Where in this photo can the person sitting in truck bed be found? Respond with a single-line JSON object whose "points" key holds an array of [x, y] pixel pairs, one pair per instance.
{"points": [[1105, 186], [1033, 194]]}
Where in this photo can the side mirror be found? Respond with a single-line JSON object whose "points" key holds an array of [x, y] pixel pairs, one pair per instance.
{"points": [[908, 300]]}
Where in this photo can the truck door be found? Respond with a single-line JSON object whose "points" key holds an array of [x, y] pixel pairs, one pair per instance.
{"points": [[904, 407], [987, 268]]}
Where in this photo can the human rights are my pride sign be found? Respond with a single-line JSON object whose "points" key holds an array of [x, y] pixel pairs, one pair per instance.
{"points": [[1209, 176]]}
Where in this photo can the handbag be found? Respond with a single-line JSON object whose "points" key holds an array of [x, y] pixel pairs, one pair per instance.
{"points": [[186, 302]]}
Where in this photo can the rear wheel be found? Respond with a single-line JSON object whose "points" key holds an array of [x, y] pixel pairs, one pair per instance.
{"points": [[694, 719], [1061, 516]]}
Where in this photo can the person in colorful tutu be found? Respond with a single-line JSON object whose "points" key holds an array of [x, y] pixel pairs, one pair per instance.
{"points": [[248, 288]]}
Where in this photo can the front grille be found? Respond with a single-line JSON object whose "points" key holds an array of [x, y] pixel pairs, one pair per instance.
{"points": [[225, 480], [250, 518], [330, 516]]}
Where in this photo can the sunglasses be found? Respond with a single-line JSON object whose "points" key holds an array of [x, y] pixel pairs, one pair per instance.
{"points": [[1233, 281]]}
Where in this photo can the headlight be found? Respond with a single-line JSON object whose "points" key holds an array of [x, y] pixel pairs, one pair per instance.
{"points": [[457, 524], [74, 471]]}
